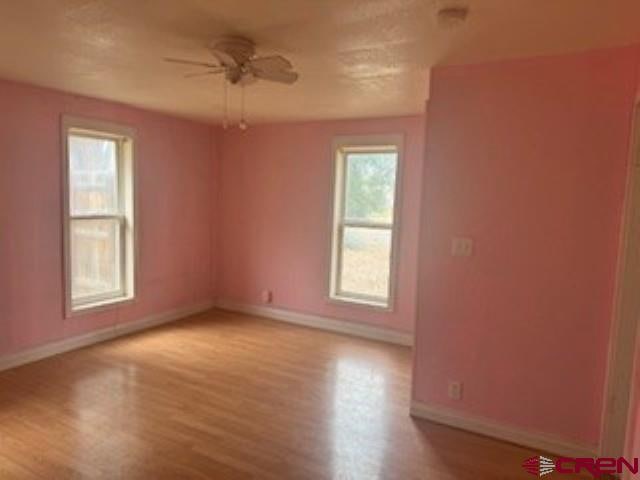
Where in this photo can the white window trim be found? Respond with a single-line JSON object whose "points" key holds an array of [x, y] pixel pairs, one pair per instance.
{"points": [[367, 143], [126, 137]]}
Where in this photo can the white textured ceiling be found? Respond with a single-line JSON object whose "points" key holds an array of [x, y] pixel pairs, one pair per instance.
{"points": [[356, 58]]}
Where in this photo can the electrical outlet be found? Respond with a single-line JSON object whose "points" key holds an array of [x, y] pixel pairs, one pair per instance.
{"points": [[455, 390], [267, 296], [461, 247]]}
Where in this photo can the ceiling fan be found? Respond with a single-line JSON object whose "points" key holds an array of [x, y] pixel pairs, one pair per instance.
{"points": [[237, 60]]}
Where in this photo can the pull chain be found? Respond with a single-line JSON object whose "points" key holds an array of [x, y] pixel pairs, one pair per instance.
{"points": [[243, 123], [225, 120]]}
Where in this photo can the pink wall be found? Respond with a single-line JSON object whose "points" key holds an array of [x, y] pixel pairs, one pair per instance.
{"points": [[275, 199], [529, 159], [175, 226]]}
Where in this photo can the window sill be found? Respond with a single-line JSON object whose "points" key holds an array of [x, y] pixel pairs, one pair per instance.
{"points": [[99, 306], [359, 302]]}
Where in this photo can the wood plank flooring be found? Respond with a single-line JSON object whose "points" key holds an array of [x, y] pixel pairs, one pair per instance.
{"points": [[228, 396]]}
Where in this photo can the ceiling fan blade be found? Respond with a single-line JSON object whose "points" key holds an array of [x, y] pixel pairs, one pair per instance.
{"points": [[224, 58], [275, 62], [281, 76], [190, 62], [202, 74]]}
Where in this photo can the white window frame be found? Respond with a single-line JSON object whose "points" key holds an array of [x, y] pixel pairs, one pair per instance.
{"points": [[342, 146], [126, 177]]}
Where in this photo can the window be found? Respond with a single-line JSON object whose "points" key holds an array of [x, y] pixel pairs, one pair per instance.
{"points": [[364, 219], [99, 220]]}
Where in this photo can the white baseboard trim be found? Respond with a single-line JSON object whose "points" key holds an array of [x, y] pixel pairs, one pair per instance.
{"points": [[538, 441], [55, 348], [321, 323]]}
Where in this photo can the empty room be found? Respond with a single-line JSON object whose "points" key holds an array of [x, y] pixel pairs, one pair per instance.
{"points": [[319, 239]]}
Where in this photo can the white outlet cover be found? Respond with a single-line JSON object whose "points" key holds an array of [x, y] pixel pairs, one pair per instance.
{"points": [[455, 390]]}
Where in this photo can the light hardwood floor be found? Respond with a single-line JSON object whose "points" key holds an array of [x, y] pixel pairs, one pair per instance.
{"points": [[229, 396]]}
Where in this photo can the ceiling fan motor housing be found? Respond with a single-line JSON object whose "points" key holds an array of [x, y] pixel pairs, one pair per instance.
{"points": [[234, 53], [240, 49]]}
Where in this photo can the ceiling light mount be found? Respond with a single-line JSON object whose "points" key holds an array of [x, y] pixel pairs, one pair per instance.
{"points": [[452, 16]]}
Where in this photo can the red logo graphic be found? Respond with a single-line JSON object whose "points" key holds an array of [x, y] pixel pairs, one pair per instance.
{"points": [[539, 466]]}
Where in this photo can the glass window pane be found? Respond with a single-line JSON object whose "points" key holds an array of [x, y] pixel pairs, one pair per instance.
{"points": [[93, 186], [366, 260], [95, 254], [370, 186]]}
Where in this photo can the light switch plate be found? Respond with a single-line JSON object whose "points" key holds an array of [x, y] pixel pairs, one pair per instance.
{"points": [[461, 247]]}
